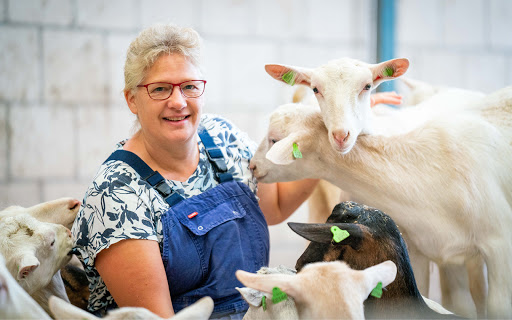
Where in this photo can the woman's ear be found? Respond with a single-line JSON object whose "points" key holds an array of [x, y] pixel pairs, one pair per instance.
{"points": [[130, 100]]}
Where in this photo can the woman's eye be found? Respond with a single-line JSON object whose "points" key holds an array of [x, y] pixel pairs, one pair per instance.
{"points": [[189, 87], [367, 87], [315, 90], [159, 89]]}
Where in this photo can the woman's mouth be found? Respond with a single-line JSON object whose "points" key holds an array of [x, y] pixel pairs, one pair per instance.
{"points": [[176, 119]]}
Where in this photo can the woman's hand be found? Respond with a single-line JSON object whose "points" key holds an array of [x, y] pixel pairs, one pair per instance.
{"points": [[385, 97]]}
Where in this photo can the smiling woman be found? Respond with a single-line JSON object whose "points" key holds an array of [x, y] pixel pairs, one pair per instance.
{"points": [[173, 213]]}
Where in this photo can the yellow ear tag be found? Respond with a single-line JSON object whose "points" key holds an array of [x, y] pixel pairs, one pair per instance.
{"points": [[289, 77], [278, 295], [338, 234], [296, 152]]}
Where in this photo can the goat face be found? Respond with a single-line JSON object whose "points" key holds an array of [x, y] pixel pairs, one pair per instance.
{"points": [[62, 211], [274, 160], [342, 88], [34, 250], [374, 237]]}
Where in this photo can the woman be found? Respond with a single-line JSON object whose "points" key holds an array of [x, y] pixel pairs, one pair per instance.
{"points": [[172, 214]]}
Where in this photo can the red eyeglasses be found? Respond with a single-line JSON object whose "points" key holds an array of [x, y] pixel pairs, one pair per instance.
{"points": [[163, 90]]}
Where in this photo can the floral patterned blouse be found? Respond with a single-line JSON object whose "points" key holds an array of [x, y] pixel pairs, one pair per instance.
{"points": [[119, 205]]}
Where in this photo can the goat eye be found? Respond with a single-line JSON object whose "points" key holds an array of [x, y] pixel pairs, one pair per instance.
{"points": [[367, 87], [272, 141], [315, 90], [51, 244]]}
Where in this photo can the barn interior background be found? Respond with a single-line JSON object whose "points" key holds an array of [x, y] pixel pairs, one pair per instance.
{"points": [[61, 72]]}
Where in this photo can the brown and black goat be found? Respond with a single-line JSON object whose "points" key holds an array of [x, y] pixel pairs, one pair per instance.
{"points": [[373, 238]]}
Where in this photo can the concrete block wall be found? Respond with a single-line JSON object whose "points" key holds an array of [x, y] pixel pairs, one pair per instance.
{"points": [[61, 72]]}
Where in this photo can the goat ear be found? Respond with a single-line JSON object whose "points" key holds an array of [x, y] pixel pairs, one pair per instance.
{"points": [[265, 282], [388, 70], [288, 74], [281, 153], [201, 309], [26, 265], [252, 296], [321, 232], [384, 272]]}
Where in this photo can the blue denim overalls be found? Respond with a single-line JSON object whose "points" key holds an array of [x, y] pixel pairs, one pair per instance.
{"points": [[209, 236]]}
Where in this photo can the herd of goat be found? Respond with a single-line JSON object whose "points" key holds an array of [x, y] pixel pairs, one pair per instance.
{"points": [[435, 174]]}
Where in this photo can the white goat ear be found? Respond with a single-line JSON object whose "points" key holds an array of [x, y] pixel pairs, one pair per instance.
{"points": [[384, 272], [289, 74], [64, 310], [252, 296], [201, 309], [26, 265], [266, 282], [388, 70], [281, 153]]}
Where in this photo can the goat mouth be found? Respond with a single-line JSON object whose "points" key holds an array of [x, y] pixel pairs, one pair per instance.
{"points": [[260, 177]]}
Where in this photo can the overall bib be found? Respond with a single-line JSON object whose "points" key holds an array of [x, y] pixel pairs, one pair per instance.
{"points": [[207, 237]]}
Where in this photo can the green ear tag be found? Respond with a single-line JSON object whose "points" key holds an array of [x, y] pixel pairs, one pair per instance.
{"points": [[377, 291], [278, 295], [296, 152], [264, 303], [338, 234], [388, 72], [289, 77]]}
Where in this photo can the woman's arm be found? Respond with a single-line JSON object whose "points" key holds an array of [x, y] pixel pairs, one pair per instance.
{"points": [[134, 274], [279, 200]]}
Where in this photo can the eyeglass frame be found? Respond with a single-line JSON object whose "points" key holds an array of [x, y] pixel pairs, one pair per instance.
{"points": [[172, 90]]}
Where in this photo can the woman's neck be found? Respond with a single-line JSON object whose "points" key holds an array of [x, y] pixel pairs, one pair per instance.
{"points": [[173, 162]]}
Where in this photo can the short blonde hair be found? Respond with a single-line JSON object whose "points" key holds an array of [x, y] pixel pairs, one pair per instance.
{"points": [[154, 41]]}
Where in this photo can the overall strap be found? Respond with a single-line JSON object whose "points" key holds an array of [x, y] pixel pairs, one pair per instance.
{"points": [[215, 156], [154, 178]]}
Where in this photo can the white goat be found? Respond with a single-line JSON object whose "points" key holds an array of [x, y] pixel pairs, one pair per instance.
{"points": [[287, 309], [446, 182], [325, 290], [62, 211], [62, 310], [15, 302], [34, 252]]}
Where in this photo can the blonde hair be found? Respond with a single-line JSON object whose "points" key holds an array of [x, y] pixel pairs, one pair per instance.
{"points": [[154, 41]]}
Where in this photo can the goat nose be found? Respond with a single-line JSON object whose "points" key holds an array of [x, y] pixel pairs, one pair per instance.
{"points": [[252, 166], [340, 136], [73, 204]]}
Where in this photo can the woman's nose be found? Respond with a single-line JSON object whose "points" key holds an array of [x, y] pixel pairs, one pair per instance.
{"points": [[176, 100]]}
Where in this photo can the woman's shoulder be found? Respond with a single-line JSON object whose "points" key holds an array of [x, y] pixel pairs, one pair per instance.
{"points": [[227, 133]]}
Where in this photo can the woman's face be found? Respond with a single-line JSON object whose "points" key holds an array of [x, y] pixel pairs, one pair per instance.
{"points": [[174, 120]]}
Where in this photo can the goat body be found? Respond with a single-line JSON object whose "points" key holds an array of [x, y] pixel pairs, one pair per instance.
{"points": [[447, 182]]}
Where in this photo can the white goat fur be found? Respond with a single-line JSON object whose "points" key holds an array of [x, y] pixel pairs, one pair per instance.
{"points": [[446, 181], [34, 252], [61, 211], [62, 310], [325, 290], [287, 309], [15, 302]]}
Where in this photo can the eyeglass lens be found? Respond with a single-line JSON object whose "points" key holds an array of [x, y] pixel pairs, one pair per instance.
{"points": [[190, 89]]}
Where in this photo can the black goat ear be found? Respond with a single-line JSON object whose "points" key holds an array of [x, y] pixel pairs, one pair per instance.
{"points": [[321, 232]]}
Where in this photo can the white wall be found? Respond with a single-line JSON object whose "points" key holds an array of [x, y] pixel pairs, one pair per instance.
{"points": [[61, 61]]}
